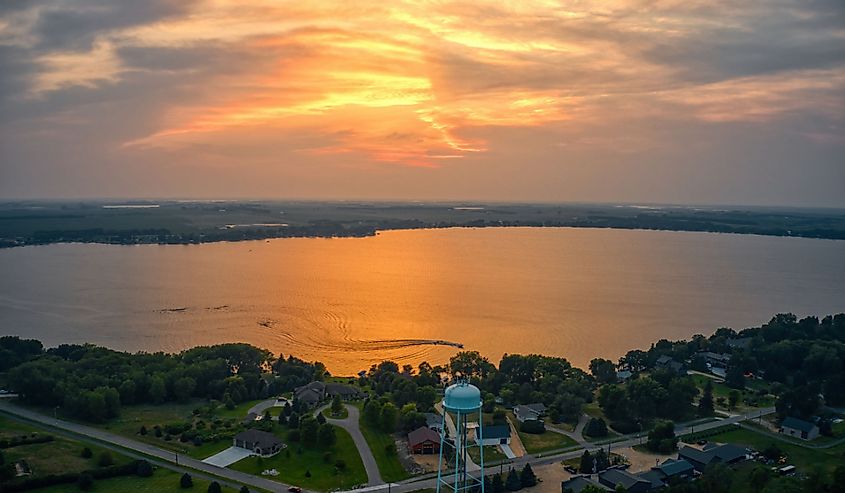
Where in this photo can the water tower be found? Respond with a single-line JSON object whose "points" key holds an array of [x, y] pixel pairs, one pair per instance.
{"points": [[462, 401]]}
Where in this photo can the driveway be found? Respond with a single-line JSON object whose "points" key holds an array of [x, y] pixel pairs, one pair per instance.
{"points": [[228, 456], [350, 424]]}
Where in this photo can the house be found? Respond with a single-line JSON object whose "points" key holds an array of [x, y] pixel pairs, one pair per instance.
{"points": [[494, 435], [424, 441], [623, 375], [346, 392], [716, 360], [311, 394], [670, 469], [667, 363], [631, 482], [434, 422], [711, 454], [260, 442], [529, 412], [799, 428], [577, 484], [740, 343]]}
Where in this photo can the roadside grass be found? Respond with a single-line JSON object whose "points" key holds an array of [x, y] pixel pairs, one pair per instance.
{"points": [[805, 459], [162, 481], [294, 462], [55, 457], [389, 466]]}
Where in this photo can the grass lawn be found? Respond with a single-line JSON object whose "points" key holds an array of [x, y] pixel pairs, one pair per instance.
{"points": [[162, 481], [293, 465], [722, 390], [803, 458], [388, 463], [543, 442], [491, 454]]}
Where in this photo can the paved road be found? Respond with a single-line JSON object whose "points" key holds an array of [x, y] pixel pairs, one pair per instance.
{"points": [[577, 435], [350, 424], [143, 448]]}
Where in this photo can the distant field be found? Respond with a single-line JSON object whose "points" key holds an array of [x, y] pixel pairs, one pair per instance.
{"points": [[24, 223]]}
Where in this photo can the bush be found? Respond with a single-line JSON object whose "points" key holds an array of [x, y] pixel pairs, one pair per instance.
{"points": [[85, 482], [214, 487], [86, 453], [143, 430], [308, 473], [340, 464], [533, 426], [244, 489], [625, 427], [327, 457], [186, 481], [144, 469], [390, 449], [105, 459]]}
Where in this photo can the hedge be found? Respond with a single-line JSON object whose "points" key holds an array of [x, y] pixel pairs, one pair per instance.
{"points": [[27, 484], [25, 440]]}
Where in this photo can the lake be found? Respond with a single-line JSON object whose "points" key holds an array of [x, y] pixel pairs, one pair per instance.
{"points": [[577, 293]]}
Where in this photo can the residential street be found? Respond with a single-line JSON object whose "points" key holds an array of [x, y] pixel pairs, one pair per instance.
{"points": [[350, 424]]}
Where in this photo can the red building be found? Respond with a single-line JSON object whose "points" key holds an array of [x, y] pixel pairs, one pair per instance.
{"points": [[423, 440]]}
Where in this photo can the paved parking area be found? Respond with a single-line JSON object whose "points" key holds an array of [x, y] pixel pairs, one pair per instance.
{"points": [[228, 456]]}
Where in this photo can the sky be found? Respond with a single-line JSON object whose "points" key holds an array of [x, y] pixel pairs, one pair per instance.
{"points": [[653, 101]]}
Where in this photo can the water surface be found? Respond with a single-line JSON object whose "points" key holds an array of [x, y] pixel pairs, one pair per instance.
{"points": [[578, 293]]}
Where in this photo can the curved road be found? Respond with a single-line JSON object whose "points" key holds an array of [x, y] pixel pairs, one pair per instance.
{"points": [[350, 424]]}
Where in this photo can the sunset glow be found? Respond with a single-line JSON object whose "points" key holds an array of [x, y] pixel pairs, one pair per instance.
{"points": [[366, 85]]}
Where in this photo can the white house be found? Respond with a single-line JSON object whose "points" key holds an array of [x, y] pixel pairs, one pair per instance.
{"points": [[799, 428]]}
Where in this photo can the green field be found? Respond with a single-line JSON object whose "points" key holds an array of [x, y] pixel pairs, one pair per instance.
{"points": [[293, 463], [491, 454], [162, 481], [750, 393], [543, 442]]}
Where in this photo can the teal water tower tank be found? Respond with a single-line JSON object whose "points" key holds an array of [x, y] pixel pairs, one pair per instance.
{"points": [[461, 403], [462, 397]]}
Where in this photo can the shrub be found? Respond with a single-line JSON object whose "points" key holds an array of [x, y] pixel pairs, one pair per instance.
{"points": [[86, 453], [390, 449], [327, 457], [105, 459], [143, 430], [308, 473], [214, 487], [596, 427], [244, 489], [340, 464], [144, 469], [85, 482], [186, 481]]}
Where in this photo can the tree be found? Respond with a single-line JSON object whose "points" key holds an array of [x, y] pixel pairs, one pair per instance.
{"points": [[389, 417], [337, 405], [533, 426], [158, 390], [86, 453], [105, 459], [586, 465], [513, 483], [601, 460], [293, 420], [214, 487], [705, 404], [497, 485], [321, 419], [327, 435], [733, 398], [596, 427], [662, 438], [186, 481], [244, 489], [309, 429], [603, 370], [735, 377], [527, 477], [372, 412]]}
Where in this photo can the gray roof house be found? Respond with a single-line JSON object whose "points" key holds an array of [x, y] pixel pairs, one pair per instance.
{"points": [[528, 412], [346, 392], [631, 482], [712, 453], [578, 483], [667, 363], [311, 394], [434, 421], [668, 470], [799, 428], [262, 443]]}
